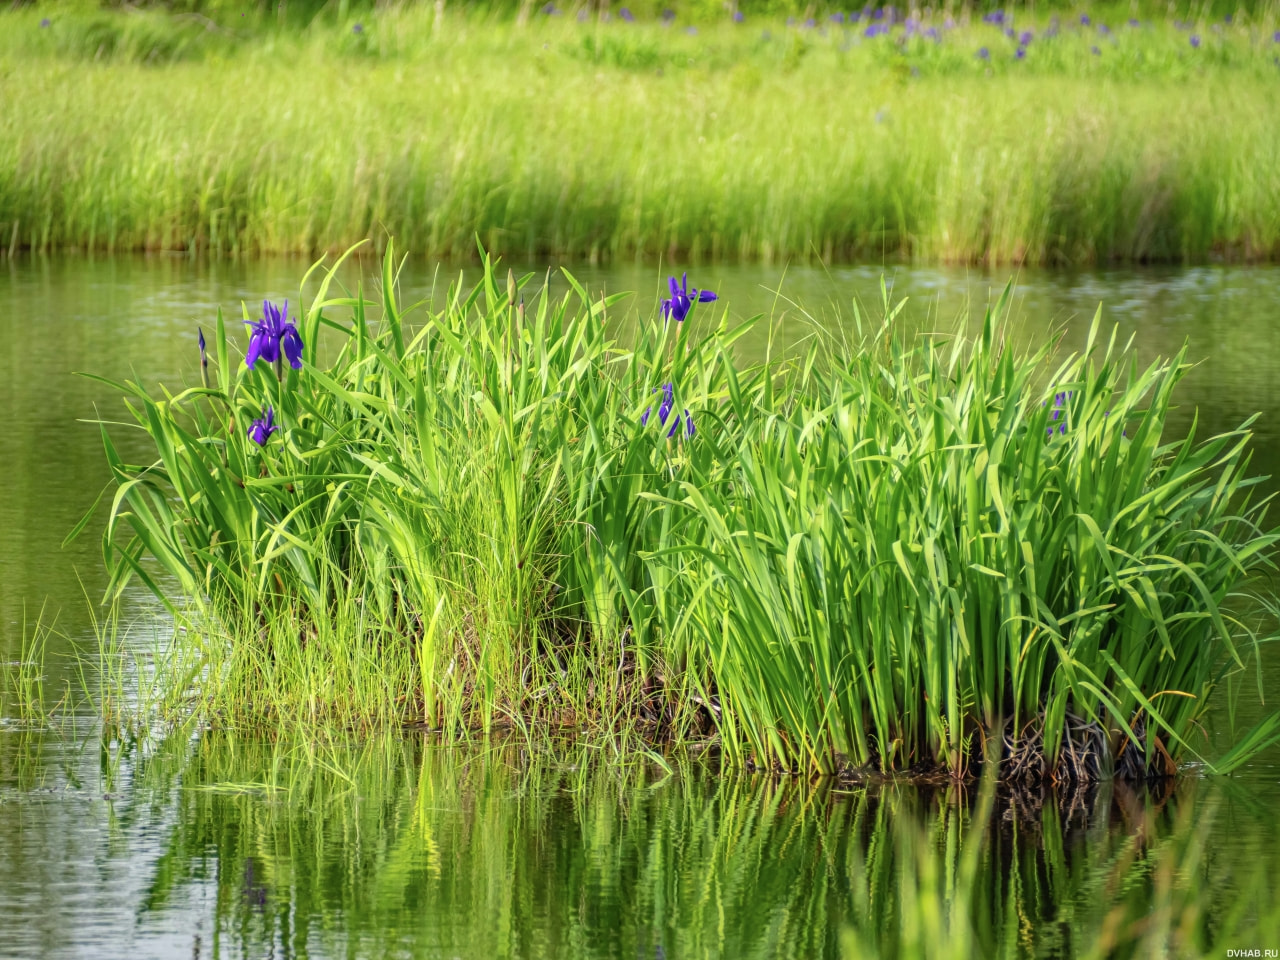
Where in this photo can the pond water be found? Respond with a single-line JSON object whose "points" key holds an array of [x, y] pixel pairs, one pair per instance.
{"points": [[211, 846]]}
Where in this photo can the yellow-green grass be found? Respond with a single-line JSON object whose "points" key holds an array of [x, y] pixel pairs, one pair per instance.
{"points": [[609, 140]]}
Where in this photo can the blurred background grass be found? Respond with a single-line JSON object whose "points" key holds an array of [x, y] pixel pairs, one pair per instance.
{"points": [[269, 129]]}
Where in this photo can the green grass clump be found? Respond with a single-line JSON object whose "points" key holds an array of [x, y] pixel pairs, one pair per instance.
{"points": [[872, 551], [609, 139]]}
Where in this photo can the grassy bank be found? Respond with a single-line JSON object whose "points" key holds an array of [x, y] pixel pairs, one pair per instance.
{"points": [[881, 553], [613, 139]]}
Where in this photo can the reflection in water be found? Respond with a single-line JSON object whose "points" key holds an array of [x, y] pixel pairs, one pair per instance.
{"points": [[239, 848]]}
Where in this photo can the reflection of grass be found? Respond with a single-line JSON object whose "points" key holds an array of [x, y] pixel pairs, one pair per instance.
{"points": [[612, 140], [405, 846], [886, 552]]}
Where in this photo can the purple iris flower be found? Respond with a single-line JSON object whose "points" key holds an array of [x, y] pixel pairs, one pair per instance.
{"points": [[1195, 40], [664, 413], [204, 358], [837, 17], [1026, 37], [876, 30], [1058, 420], [984, 53], [1084, 20], [1021, 53], [273, 334], [1276, 38], [682, 299], [260, 430], [738, 17], [668, 400], [627, 15], [995, 16]]}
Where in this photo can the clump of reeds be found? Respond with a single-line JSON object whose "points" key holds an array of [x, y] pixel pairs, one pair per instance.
{"points": [[872, 553]]}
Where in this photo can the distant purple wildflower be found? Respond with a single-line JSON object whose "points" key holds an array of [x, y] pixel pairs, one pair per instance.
{"points": [[837, 17], [995, 16], [1135, 22], [1095, 51], [627, 15], [261, 429], [984, 53], [1084, 20], [551, 10], [1020, 53], [1026, 37], [876, 30], [1195, 40], [44, 23], [668, 15], [358, 28], [738, 17]]}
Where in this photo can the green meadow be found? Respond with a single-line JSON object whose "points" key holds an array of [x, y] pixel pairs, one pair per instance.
{"points": [[545, 135]]}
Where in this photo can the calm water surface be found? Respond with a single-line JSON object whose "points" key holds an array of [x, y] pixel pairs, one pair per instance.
{"points": [[209, 846]]}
